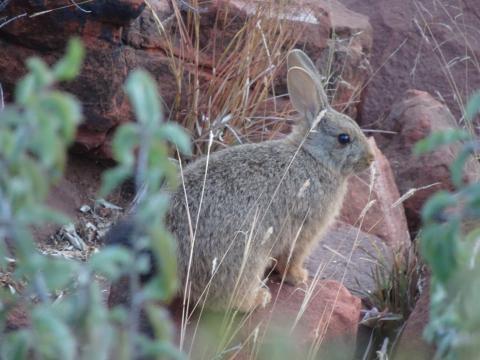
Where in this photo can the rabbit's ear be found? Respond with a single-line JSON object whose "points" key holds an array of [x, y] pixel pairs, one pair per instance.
{"points": [[298, 58], [305, 94]]}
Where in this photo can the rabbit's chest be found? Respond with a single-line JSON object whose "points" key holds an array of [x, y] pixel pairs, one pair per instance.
{"points": [[313, 206]]}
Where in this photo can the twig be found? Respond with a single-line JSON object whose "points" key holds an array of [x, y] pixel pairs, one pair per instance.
{"points": [[79, 7], [6, 22]]}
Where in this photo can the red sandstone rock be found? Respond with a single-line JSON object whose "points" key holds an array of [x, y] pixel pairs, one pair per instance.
{"points": [[411, 344], [414, 117], [349, 66], [119, 37], [422, 45], [345, 254], [322, 319], [371, 205], [325, 315]]}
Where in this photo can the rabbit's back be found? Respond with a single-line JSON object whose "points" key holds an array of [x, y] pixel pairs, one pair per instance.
{"points": [[256, 198]]}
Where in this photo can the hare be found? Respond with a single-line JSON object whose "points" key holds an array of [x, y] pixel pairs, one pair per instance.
{"points": [[251, 203]]}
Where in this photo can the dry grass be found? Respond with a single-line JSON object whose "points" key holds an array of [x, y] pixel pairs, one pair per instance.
{"points": [[450, 19], [227, 80]]}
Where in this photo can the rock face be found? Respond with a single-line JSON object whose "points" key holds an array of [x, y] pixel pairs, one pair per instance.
{"points": [[412, 118], [124, 34], [411, 344], [372, 203], [430, 46], [107, 63], [345, 254], [350, 49], [320, 318], [324, 316]]}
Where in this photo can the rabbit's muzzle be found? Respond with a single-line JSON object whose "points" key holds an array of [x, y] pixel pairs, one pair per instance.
{"points": [[370, 158], [365, 162]]}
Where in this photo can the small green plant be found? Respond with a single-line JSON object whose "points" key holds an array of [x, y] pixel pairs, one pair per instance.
{"points": [[148, 136], [35, 132], [450, 245]]}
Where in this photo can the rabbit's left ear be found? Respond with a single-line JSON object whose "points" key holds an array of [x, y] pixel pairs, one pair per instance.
{"points": [[303, 92], [297, 58]]}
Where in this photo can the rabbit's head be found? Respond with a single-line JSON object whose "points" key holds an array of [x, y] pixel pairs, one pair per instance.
{"points": [[329, 136]]}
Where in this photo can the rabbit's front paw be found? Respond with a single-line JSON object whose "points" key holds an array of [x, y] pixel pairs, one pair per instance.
{"points": [[296, 275]]}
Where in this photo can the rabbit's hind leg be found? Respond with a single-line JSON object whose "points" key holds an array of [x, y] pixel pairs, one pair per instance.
{"points": [[256, 297], [293, 272]]}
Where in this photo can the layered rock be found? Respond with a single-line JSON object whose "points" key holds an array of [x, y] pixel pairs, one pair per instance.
{"points": [[411, 342], [413, 118], [124, 34], [430, 46], [348, 255]]}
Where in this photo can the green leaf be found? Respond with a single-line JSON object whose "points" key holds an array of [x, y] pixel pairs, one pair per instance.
{"points": [[15, 344], [159, 349], [143, 95], [124, 142], [58, 272], [24, 89], [457, 166], [40, 214], [159, 318], [176, 135], [69, 66], [53, 338], [440, 138], [163, 287], [473, 106], [434, 207], [40, 72], [64, 111], [111, 261], [439, 248]]}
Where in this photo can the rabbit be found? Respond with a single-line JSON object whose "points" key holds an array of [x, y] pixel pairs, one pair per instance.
{"points": [[245, 205]]}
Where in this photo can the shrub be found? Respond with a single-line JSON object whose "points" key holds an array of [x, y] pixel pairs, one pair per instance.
{"points": [[450, 244], [35, 132]]}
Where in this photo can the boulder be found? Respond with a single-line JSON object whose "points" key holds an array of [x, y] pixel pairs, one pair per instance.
{"points": [[412, 118], [373, 204], [122, 35], [430, 46], [347, 255], [411, 343], [320, 318], [44, 32]]}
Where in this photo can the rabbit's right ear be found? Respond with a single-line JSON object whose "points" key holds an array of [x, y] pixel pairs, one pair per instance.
{"points": [[305, 93]]}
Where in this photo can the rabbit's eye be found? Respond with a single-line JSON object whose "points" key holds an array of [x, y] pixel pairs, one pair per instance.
{"points": [[344, 139]]}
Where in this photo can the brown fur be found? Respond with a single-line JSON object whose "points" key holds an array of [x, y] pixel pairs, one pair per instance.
{"points": [[261, 199]]}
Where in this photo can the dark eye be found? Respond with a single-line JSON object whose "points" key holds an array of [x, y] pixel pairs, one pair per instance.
{"points": [[344, 139]]}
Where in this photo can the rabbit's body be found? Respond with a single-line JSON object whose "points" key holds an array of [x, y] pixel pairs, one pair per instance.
{"points": [[257, 199], [261, 201]]}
